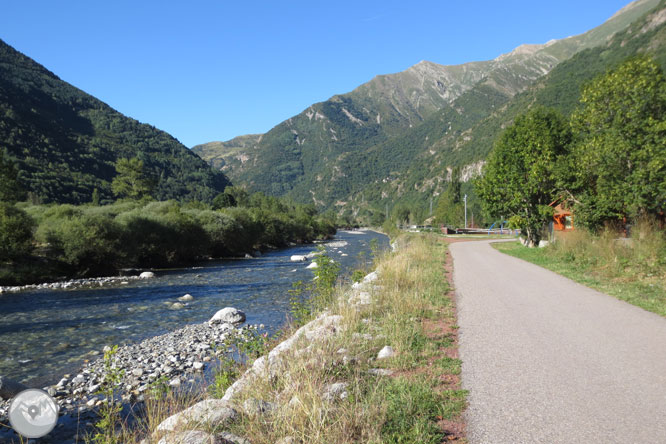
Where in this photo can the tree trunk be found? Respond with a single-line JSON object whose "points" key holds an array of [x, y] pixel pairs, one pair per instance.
{"points": [[533, 237]]}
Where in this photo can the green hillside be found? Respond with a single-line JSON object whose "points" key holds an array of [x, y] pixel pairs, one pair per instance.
{"points": [[560, 89], [395, 136], [66, 142]]}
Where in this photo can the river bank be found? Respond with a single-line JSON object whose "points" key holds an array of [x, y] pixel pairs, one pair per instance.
{"points": [[378, 365], [181, 358], [47, 333]]}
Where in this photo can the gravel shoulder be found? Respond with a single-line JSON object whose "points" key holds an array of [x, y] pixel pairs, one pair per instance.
{"points": [[547, 360]]}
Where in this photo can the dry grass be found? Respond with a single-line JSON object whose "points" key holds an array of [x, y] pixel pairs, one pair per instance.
{"points": [[406, 407]]}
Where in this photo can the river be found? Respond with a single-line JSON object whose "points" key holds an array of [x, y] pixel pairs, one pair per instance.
{"points": [[46, 333]]}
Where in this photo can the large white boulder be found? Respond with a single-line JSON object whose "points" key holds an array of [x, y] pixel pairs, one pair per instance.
{"points": [[206, 413], [312, 265], [190, 437], [229, 315], [186, 298], [298, 258], [370, 277], [147, 275]]}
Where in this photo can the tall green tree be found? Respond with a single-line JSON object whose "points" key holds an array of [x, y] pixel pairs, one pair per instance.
{"points": [[131, 180], [223, 200], [450, 210], [519, 179], [401, 213], [10, 189], [618, 164]]}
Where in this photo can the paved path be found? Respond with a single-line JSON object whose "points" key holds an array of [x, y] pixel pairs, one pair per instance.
{"points": [[547, 360]]}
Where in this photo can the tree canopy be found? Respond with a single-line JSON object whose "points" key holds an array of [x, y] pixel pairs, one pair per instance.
{"points": [[450, 209], [619, 160], [131, 181], [519, 178]]}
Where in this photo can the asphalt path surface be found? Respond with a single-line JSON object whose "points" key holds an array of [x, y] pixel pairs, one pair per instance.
{"points": [[547, 360]]}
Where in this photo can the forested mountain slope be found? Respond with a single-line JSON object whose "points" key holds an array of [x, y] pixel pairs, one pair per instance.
{"points": [[560, 89], [66, 142], [371, 144]]}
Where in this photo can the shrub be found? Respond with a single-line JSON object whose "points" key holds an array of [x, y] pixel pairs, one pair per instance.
{"points": [[89, 244], [15, 232]]}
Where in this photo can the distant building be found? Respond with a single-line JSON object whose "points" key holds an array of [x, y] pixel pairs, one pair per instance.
{"points": [[563, 218]]}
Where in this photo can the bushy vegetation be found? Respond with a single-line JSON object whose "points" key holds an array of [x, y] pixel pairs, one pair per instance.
{"points": [[608, 164], [15, 232], [92, 240]]}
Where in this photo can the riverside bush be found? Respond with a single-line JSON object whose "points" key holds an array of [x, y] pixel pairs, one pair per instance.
{"points": [[87, 243], [93, 240], [15, 232]]}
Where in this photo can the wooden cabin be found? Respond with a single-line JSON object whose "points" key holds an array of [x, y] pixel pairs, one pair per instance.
{"points": [[563, 218]]}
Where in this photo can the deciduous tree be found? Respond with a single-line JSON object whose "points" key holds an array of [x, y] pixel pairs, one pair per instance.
{"points": [[519, 178], [619, 160], [15, 232]]}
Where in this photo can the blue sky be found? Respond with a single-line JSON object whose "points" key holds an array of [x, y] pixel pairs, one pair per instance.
{"points": [[215, 69]]}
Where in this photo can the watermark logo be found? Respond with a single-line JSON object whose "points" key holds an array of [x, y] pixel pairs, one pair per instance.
{"points": [[33, 413]]}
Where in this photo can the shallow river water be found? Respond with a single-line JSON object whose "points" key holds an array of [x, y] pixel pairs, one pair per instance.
{"points": [[46, 333]]}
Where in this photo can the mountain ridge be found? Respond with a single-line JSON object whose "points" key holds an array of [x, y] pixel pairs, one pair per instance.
{"points": [[314, 155]]}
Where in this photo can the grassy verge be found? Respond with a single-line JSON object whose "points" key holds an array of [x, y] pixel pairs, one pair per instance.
{"points": [[420, 401], [633, 271]]}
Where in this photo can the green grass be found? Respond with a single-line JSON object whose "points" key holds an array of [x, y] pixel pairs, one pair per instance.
{"points": [[616, 276], [448, 365], [413, 408]]}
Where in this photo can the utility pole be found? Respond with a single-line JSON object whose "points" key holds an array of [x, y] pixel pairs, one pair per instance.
{"points": [[465, 200], [386, 211], [430, 205]]}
